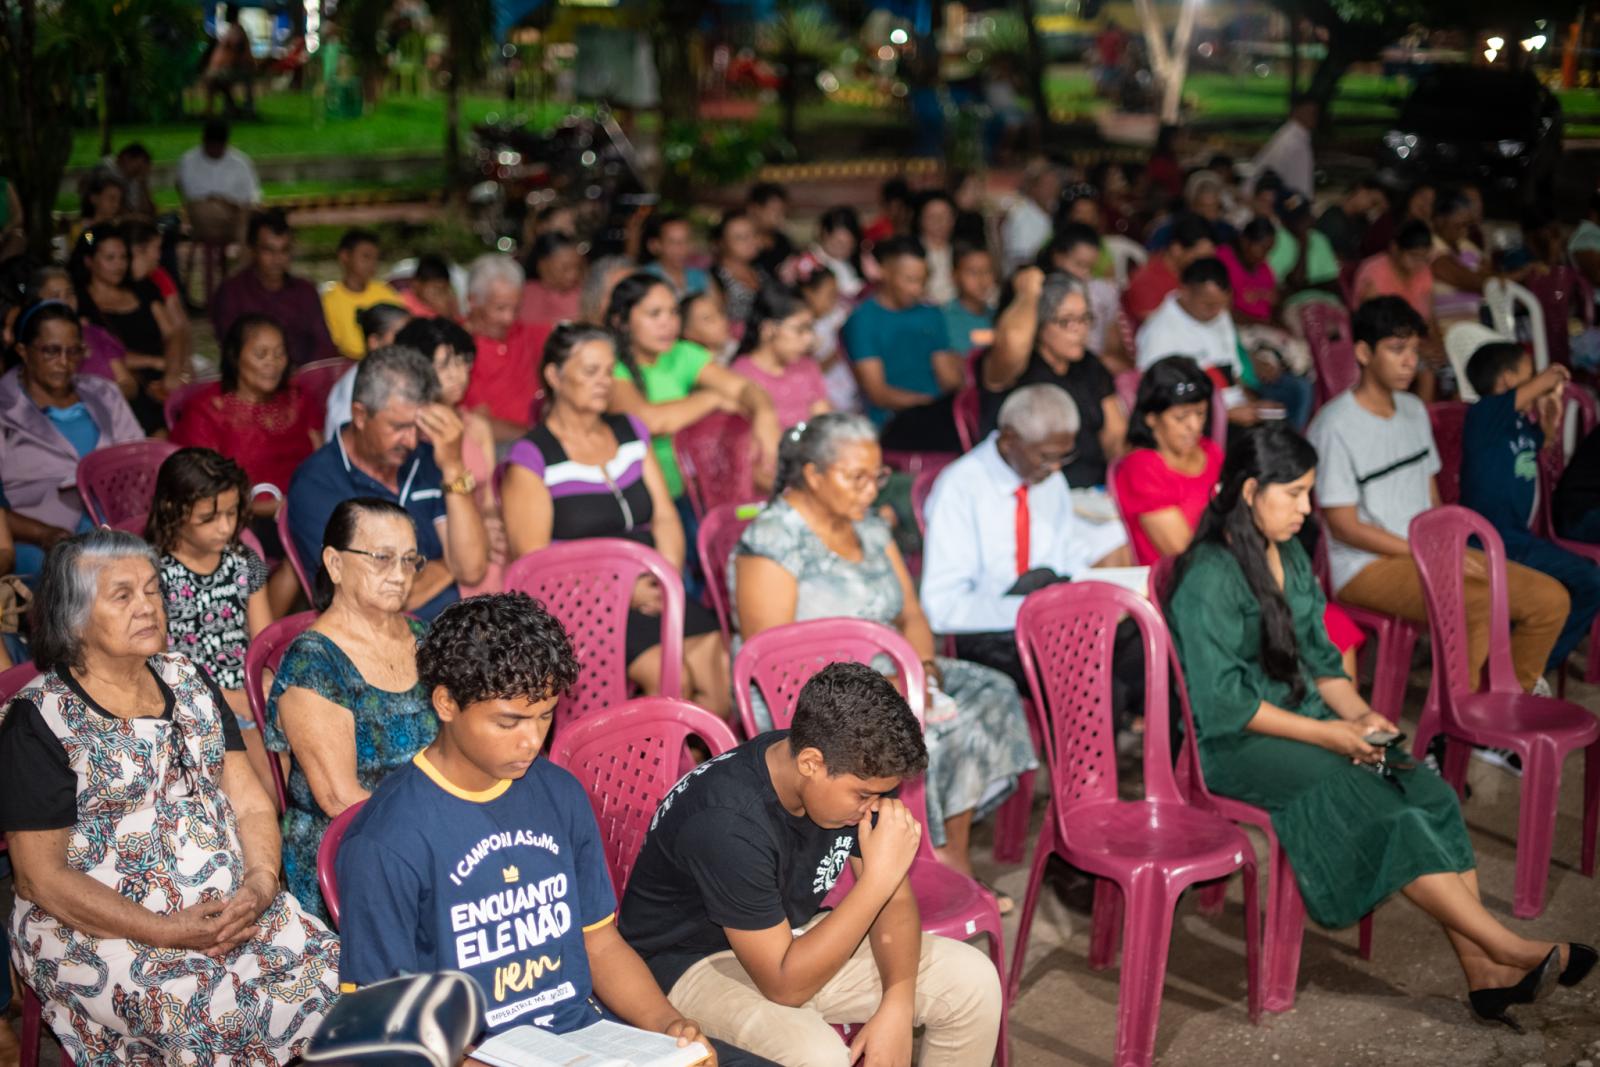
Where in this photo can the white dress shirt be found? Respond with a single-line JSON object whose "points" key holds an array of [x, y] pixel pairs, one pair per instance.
{"points": [[1172, 331], [969, 557], [233, 177]]}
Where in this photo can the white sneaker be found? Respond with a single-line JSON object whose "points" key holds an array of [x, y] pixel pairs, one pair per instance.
{"points": [[1541, 687], [1503, 758]]}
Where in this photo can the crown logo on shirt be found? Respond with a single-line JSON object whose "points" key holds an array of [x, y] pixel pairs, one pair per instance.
{"points": [[511, 875]]}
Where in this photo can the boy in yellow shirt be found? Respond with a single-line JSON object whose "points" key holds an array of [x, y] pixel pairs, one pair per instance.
{"points": [[356, 291]]}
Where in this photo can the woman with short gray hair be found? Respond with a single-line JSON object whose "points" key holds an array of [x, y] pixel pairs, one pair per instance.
{"points": [[1042, 337], [148, 917], [817, 551]]}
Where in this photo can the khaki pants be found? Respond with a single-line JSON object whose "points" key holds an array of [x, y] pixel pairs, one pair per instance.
{"points": [[958, 1003], [1538, 606]]}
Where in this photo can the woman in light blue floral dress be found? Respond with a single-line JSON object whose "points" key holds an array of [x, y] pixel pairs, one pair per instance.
{"points": [[817, 552]]}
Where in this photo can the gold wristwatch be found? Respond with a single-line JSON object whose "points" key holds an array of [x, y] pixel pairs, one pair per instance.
{"points": [[463, 483]]}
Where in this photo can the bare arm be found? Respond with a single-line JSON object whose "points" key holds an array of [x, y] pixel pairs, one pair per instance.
{"points": [[754, 402], [913, 623], [1548, 381], [896, 938], [466, 542], [39, 859], [258, 611], [1014, 333], [621, 978], [1454, 273], [766, 595], [950, 371], [876, 388], [527, 510], [1114, 431], [1168, 530], [669, 417], [1345, 524], [665, 528], [322, 736], [34, 532], [8, 551]]}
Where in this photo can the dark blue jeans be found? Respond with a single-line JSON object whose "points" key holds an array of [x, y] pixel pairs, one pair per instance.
{"points": [[1294, 393], [1586, 529], [1580, 577]]}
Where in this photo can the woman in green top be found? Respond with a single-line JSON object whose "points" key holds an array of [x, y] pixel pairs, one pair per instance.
{"points": [[669, 384], [1281, 726]]}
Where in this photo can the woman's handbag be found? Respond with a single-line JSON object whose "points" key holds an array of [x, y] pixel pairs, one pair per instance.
{"points": [[422, 1020]]}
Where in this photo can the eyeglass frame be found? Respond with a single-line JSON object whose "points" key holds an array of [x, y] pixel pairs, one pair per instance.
{"points": [[383, 561]]}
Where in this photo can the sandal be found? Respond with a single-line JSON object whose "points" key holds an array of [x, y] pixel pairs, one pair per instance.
{"points": [[1002, 899]]}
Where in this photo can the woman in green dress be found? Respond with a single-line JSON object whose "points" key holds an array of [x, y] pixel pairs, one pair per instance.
{"points": [[1281, 726]]}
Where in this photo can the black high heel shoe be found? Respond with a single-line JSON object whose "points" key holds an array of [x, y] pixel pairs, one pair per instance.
{"points": [[1580, 961], [1489, 1005]]}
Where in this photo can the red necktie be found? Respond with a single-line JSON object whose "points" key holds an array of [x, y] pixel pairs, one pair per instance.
{"points": [[1022, 530]]}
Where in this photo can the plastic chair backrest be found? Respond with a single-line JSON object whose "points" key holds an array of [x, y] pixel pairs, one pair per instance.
{"points": [[964, 408], [264, 654], [328, 854], [921, 490], [1504, 299], [1448, 419], [1557, 291], [119, 482], [628, 760], [179, 398], [1065, 638], [1219, 420], [1127, 384], [1578, 421], [1126, 254], [588, 585], [13, 679], [781, 660], [317, 379], [1438, 541], [716, 456], [290, 553], [720, 530], [1333, 353]]}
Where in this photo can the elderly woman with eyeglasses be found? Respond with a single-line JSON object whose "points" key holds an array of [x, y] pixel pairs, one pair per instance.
{"points": [[51, 416], [346, 704], [148, 916], [1042, 336], [818, 551]]}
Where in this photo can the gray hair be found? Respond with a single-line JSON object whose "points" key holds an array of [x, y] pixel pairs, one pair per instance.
{"points": [[595, 293], [817, 441], [1035, 412], [394, 371], [488, 269], [68, 587], [1054, 292]]}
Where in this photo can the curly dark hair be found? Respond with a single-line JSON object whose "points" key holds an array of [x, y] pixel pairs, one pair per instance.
{"points": [[187, 477], [501, 646], [859, 722]]}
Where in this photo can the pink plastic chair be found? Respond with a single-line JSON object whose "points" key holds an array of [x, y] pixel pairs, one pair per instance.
{"points": [[1327, 331], [1552, 461], [290, 553], [179, 398], [317, 379], [1152, 849], [627, 760], [720, 530], [717, 458], [1127, 384], [264, 654], [118, 482], [587, 585], [779, 662], [1394, 641], [1286, 909], [966, 411], [327, 853], [1448, 419], [1543, 731]]}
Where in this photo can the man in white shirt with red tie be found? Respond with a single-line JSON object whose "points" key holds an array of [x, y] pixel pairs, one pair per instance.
{"points": [[1000, 523]]}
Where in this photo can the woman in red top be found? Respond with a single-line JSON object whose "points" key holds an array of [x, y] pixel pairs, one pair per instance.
{"points": [[1165, 482], [255, 416]]}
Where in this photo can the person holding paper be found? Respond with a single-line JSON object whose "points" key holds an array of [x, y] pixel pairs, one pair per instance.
{"points": [[725, 898], [481, 858]]}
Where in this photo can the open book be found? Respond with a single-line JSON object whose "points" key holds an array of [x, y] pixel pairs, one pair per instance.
{"points": [[605, 1044]]}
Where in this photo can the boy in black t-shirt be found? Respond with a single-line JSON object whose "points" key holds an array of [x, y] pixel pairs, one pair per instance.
{"points": [[480, 857], [737, 862]]}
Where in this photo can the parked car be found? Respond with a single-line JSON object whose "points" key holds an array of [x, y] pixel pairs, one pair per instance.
{"points": [[1495, 127]]}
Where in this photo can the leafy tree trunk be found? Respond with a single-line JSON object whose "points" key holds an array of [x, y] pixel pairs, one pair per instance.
{"points": [[102, 88], [671, 33], [452, 134], [35, 133], [1033, 74]]}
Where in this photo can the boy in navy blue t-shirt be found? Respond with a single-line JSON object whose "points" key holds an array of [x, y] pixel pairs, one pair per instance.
{"points": [[1517, 413], [482, 858]]}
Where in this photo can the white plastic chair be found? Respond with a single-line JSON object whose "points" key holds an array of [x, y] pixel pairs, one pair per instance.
{"points": [[1125, 255], [1504, 299]]}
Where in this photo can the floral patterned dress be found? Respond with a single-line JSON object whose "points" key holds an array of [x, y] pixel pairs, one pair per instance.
{"points": [[207, 616], [975, 756], [154, 824], [390, 729]]}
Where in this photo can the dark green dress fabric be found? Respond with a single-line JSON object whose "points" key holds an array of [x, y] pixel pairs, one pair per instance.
{"points": [[1352, 836]]}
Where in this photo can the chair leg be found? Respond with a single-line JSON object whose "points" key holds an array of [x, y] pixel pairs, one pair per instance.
{"points": [[1366, 936], [1456, 754], [997, 952], [1030, 900], [1211, 897], [1011, 822], [1536, 827], [1255, 993], [1147, 935], [1592, 674], [1110, 910], [1285, 932], [1391, 669], [1591, 805]]}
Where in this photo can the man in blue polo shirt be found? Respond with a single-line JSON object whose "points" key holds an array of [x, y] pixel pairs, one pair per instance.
{"points": [[379, 452]]}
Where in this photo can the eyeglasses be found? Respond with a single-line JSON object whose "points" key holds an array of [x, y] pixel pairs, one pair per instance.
{"points": [[382, 561], [1067, 321], [57, 351], [862, 480]]}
